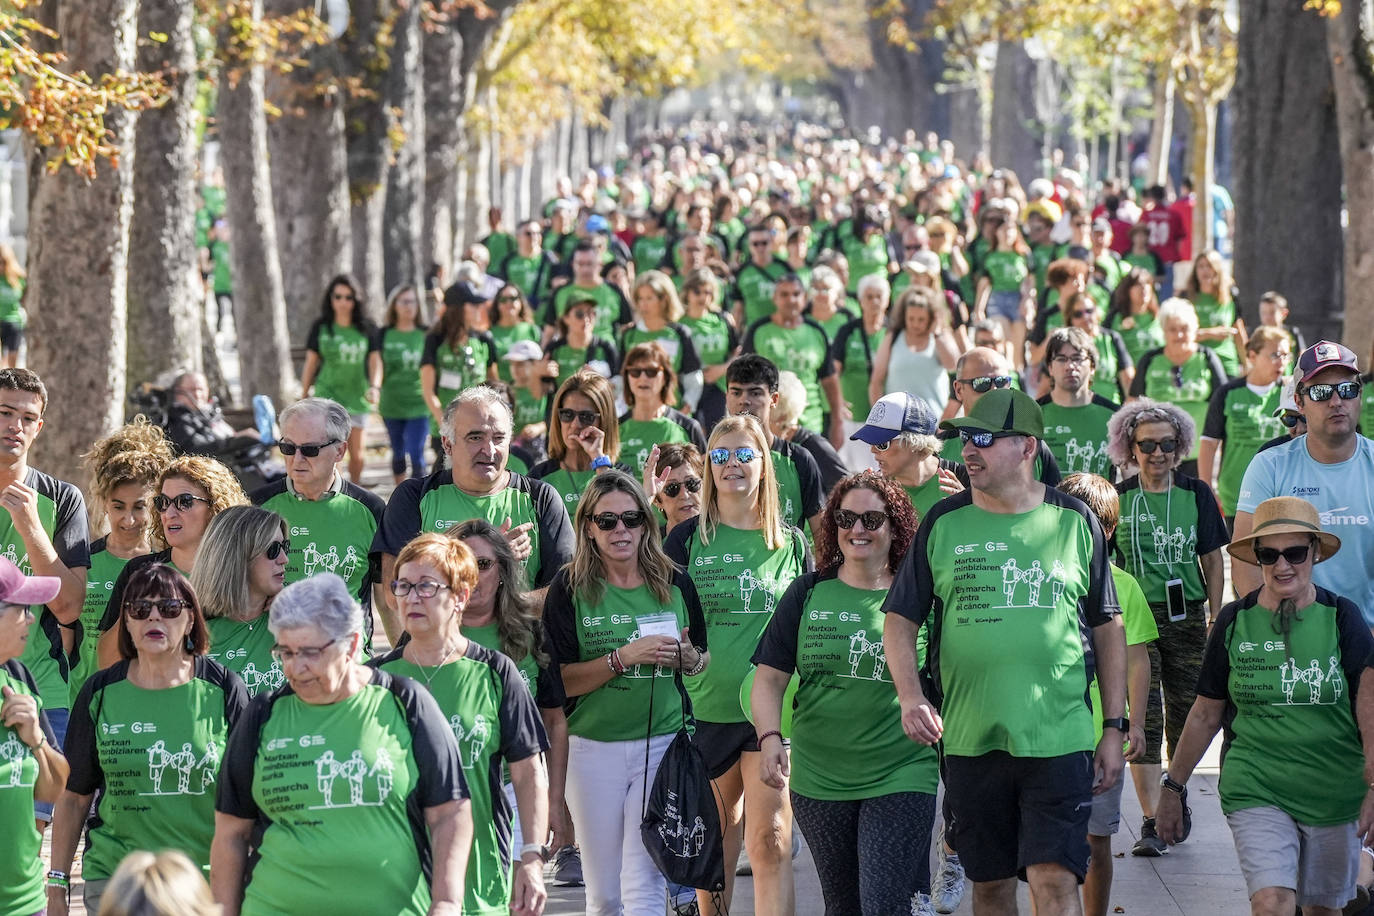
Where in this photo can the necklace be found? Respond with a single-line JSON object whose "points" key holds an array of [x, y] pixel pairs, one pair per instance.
{"points": [[434, 670]]}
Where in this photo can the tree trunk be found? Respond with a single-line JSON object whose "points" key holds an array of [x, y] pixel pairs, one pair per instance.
{"points": [[309, 178], [1161, 126], [1202, 150], [1016, 139], [367, 128], [165, 293], [443, 54], [1353, 77], [1284, 89], [259, 299], [403, 213], [78, 255]]}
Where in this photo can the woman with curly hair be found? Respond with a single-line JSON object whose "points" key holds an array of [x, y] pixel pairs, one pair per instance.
{"points": [[190, 492], [124, 466], [866, 817]]}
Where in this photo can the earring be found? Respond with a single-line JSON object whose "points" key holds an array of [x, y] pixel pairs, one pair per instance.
{"points": [[190, 644]]}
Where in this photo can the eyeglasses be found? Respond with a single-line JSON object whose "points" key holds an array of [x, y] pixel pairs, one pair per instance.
{"points": [[671, 490], [276, 549], [1268, 556], [982, 438], [167, 608], [643, 372], [1084, 313], [872, 520], [985, 383], [587, 417], [744, 454], [1148, 446], [606, 521], [507, 298], [183, 501], [485, 563], [883, 446], [1062, 360], [1291, 420], [1348, 391], [583, 315], [309, 654], [427, 588], [310, 451]]}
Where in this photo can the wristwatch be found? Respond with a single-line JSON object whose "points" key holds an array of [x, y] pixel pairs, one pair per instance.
{"points": [[1177, 788], [1119, 723], [600, 462], [545, 854]]}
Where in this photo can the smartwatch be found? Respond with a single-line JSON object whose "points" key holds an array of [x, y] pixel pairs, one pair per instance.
{"points": [[1119, 723], [1177, 788]]}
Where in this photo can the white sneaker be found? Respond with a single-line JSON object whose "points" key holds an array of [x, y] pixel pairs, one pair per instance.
{"points": [[921, 905], [947, 888]]}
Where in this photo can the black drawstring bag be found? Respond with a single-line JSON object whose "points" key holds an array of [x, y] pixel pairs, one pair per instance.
{"points": [[681, 827]]}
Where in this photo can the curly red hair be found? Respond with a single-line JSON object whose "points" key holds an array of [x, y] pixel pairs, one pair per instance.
{"points": [[901, 518]]}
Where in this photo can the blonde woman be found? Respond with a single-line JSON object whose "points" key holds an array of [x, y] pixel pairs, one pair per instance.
{"points": [[615, 615], [1209, 289], [715, 337], [657, 312], [918, 352], [165, 884], [741, 558], [584, 436]]}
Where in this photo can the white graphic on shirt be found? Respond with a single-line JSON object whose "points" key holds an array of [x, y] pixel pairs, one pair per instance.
{"points": [[258, 681], [352, 351], [344, 566], [10, 555], [787, 508], [748, 582], [1084, 457], [641, 457], [354, 772], [183, 763], [647, 671], [472, 740], [1292, 675], [15, 752], [860, 648], [1034, 577]]}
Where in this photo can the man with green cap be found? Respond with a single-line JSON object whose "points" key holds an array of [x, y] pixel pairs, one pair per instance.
{"points": [[1012, 580]]}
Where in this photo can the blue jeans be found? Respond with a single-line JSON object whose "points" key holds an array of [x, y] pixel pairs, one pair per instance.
{"points": [[57, 718], [407, 441]]}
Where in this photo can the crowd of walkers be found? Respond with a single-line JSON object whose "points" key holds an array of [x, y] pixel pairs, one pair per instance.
{"points": [[917, 479]]}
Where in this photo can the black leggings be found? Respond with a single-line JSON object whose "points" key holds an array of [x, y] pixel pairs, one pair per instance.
{"points": [[873, 855]]}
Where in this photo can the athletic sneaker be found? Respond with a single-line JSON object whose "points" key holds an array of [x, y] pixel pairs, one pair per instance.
{"points": [[567, 867], [1149, 844], [682, 901], [921, 905], [947, 889]]}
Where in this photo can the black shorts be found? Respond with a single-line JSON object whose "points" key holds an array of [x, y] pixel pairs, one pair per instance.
{"points": [[11, 336], [721, 744], [1014, 812]]}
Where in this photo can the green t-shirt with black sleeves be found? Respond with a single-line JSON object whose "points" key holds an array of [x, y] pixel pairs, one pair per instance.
{"points": [[331, 786], [599, 355], [494, 720], [800, 492], [1213, 314], [1077, 436], [333, 534], [100, 580], [1140, 333], [853, 350], [754, 288], [154, 756], [1161, 536], [507, 337], [436, 504], [1242, 419], [984, 582], [62, 512], [544, 684], [21, 867], [638, 437], [457, 368], [831, 635], [1190, 385], [343, 363], [582, 630], [402, 397], [612, 308], [1291, 738], [245, 648], [804, 350], [739, 580]]}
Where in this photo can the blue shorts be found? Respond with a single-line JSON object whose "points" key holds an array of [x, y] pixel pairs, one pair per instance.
{"points": [[1005, 305]]}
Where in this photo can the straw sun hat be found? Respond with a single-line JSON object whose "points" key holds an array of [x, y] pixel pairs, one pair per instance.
{"points": [[1285, 515]]}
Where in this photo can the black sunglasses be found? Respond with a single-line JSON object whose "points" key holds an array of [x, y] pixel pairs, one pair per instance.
{"points": [[1291, 420], [643, 372], [310, 451], [985, 383], [872, 520], [588, 417], [671, 490], [1148, 446], [277, 548], [983, 438], [485, 563], [167, 608], [183, 501], [606, 521], [1268, 556], [1348, 391]]}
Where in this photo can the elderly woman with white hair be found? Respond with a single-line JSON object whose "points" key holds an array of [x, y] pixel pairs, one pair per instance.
{"points": [[784, 420], [1170, 539], [339, 763]]}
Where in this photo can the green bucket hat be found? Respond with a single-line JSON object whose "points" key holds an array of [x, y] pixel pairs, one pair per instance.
{"points": [[1002, 410]]}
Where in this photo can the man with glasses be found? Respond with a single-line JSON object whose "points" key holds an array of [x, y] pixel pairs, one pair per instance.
{"points": [[613, 309], [326, 515], [1075, 417], [978, 372], [1331, 467], [529, 267], [1012, 579], [754, 282]]}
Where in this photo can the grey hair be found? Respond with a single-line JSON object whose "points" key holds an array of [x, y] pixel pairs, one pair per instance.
{"points": [[991, 325], [873, 281], [826, 275], [1123, 424], [1176, 309], [322, 601], [791, 398], [917, 442], [467, 272], [337, 423], [477, 396]]}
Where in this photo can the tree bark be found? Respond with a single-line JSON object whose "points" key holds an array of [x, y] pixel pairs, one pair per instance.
{"points": [[403, 218], [259, 299], [1353, 76], [367, 128], [443, 55], [1015, 141], [1284, 89], [166, 297], [1161, 126], [78, 255], [309, 178], [1202, 151]]}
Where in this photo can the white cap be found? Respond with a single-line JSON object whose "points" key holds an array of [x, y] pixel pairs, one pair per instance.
{"points": [[1288, 397], [523, 350]]}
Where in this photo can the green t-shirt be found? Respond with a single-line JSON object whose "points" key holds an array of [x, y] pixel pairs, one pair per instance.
{"points": [[925, 496], [831, 634], [524, 273], [648, 252], [1292, 741], [1162, 535], [1106, 382], [638, 437], [832, 325], [1006, 270], [343, 364], [530, 409], [611, 307], [1077, 436], [245, 648], [1189, 386], [100, 580], [854, 350], [600, 356], [402, 398], [11, 304], [1241, 420], [1141, 333], [456, 369], [804, 350], [507, 337], [499, 246], [221, 277], [327, 535], [21, 867], [570, 486], [754, 287], [1212, 314], [1041, 258], [1139, 624], [985, 581], [713, 337], [154, 756], [739, 580], [865, 259]]}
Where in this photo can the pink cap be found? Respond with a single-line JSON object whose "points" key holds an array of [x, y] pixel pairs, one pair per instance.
{"points": [[17, 588]]}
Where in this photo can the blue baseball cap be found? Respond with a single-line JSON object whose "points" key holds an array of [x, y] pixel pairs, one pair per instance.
{"points": [[597, 223], [894, 414]]}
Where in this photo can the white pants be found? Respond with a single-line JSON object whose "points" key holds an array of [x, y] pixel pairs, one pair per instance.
{"points": [[605, 791], [856, 455]]}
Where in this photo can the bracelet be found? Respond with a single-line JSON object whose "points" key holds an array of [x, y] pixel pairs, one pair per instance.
{"points": [[54, 874], [535, 848], [699, 667], [614, 663], [769, 734], [42, 740]]}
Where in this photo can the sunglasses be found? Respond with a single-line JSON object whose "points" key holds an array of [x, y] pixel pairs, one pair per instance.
{"points": [[310, 451], [1084, 313], [276, 549], [507, 298], [744, 454], [985, 383], [167, 608], [183, 501], [588, 417], [1291, 420], [643, 372], [762, 243], [1148, 446], [671, 490], [583, 315], [606, 521], [425, 589], [1268, 556], [1348, 391], [872, 520], [485, 563], [983, 438]]}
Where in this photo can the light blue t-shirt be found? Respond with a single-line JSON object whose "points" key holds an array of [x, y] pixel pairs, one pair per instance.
{"points": [[1344, 495]]}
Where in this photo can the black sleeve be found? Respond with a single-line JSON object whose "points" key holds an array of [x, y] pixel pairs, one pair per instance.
{"points": [[1123, 356], [1214, 367], [235, 793], [522, 731], [1211, 525], [678, 543], [111, 616], [809, 478], [777, 646], [1099, 604], [840, 343], [747, 345], [429, 356], [548, 685], [1041, 329], [79, 745], [374, 338], [731, 333], [1049, 468], [71, 531], [236, 697], [694, 432], [556, 540], [440, 770], [1215, 674], [627, 314], [560, 623], [912, 593], [828, 461], [696, 618], [551, 310], [401, 520], [1214, 427], [312, 338], [1355, 641], [1138, 383], [610, 352], [688, 361], [490, 342]]}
